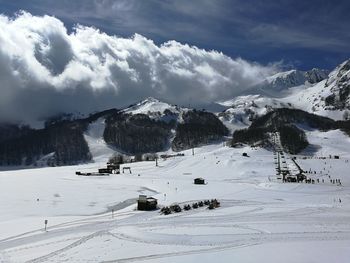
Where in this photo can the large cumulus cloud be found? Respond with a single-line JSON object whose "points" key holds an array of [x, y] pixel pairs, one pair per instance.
{"points": [[44, 70]]}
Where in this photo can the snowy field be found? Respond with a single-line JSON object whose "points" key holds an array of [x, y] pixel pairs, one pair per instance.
{"points": [[260, 219]]}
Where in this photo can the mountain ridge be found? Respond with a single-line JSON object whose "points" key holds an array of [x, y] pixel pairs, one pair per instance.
{"points": [[152, 125]]}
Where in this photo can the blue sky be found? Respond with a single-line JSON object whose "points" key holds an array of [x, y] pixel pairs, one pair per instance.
{"points": [[302, 34]]}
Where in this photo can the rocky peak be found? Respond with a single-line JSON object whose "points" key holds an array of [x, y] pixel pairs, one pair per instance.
{"points": [[316, 75], [338, 84]]}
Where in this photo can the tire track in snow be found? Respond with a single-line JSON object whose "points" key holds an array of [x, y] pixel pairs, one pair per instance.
{"points": [[225, 239], [66, 248], [174, 254]]}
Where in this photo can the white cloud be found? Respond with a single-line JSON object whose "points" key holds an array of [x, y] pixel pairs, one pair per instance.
{"points": [[45, 70]]}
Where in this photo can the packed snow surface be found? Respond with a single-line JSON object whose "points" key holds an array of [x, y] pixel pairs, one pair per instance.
{"points": [[260, 218], [99, 149]]}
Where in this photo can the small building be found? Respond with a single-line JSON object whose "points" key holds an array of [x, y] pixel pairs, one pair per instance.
{"points": [[199, 181], [291, 179], [245, 154], [91, 174], [145, 203], [104, 170], [336, 157], [111, 168]]}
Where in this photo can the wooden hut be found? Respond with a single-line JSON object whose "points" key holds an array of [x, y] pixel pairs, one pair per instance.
{"points": [[199, 181], [111, 168], [104, 170], [115, 168], [291, 179], [145, 203]]}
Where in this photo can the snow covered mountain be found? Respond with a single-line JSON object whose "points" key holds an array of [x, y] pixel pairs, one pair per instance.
{"points": [[277, 84], [152, 125], [294, 78], [313, 91], [338, 84], [242, 110], [316, 75], [96, 218], [283, 80], [329, 97], [155, 109], [146, 127]]}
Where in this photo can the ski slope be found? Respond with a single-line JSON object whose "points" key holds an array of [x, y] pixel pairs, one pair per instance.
{"points": [[260, 219], [99, 149]]}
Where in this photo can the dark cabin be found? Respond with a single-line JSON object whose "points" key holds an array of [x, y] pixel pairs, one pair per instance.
{"points": [[291, 179], [145, 203], [199, 181], [111, 168], [336, 157], [104, 171]]}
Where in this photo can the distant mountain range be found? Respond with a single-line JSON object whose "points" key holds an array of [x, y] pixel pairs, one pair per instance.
{"points": [[328, 97], [155, 126]]}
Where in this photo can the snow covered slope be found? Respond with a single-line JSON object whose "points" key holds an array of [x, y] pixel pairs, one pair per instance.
{"points": [[151, 105], [259, 218], [313, 91], [243, 109], [99, 149], [329, 97], [283, 80], [277, 84], [155, 109], [292, 78], [339, 85], [312, 99]]}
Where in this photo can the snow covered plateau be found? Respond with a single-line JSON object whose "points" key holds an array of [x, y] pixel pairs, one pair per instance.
{"points": [[260, 218]]}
